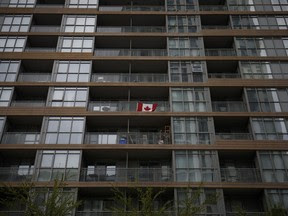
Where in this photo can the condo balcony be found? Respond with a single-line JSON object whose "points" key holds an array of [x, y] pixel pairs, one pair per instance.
{"points": [[215, 22], [213, 8], [44, 28], [233, 174], [16, 174], [20, 138], [233, 136], [143, 29], [130, 52], [220, 52], [223, 70], [127, 138], [228, 106], [34, 77], [50, 3], [131, 8], [41, 43], [123, 77], [126, 174], [135, 5], [46, 23]]}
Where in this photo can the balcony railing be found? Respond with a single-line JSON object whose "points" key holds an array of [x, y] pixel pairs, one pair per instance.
{"points": [[127, 174], [247, 213], [12, 213], [120, 106], [110, 213], [127, 138], [215, 27], [131, 29], [13, 174], [213, 8], [40, 49], [220, 52], [228, 106], [240, 175], [121, 77], [49, 5], [224, 75], [131, 8], [34, 77], [130, 52], [20, 138], [30, 103], [234, 136], [44, 28]]}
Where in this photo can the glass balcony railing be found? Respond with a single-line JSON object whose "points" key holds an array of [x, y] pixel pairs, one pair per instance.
{"points": [[131, 8], [49, 5], [220, 52], [34, 77], [234, 136], [122, 106], [130, 52], [246, 213], [118, 77], [228, 106], [20, 138], [44, 28], [127, 138], [204, 27], [14, 174], [40, 49], [126, 174], [240, 175], [213, 8], [224, 75], [131, 29], [28, 103]]}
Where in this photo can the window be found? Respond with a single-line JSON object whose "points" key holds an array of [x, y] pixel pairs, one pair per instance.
{"points": [[83, 3], [187, 71], [278, 197], [264, 70], [15, 23], [258, 5], [274, 166], [181, 5], [76, 44], [270, 128], [196, 166], [5, 96], [182, 24], [21, 3], [192, 130], [12, 44], [79, 23], [68, 97], [72, 71], [64, 130], [181, 46], [190, 99], [267, 99], [9, 70], [58, 164]]}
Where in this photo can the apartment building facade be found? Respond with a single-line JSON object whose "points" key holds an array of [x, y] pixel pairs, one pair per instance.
{"points": [[161, 93]]}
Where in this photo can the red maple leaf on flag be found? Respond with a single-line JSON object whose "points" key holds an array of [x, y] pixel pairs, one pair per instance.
{"points": [[147, 108]]}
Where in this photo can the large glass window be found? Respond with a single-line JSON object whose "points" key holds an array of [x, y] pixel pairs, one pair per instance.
{"points": [[270, 128], [183, 24], [19, 3], [190, 99], [264, 70], [187, 71], [274, 166], [76, 44], [16, 23], [182, 46], [258, 5], [181, 5], [58, 164], [12, 44], [192, 130], [72, 71], [196, 166], [5, 96], [83, 3], [267, 99], [79, 23], [68, 97], [262, 46], [8, 70], [64, 130], [277, 197]]}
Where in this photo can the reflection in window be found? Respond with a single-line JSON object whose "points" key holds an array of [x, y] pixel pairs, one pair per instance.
{"points": [[183, 24], [267, 99], [8, 70], [196, 166], [181, 5], [192, 130], [19, 23], [190, 99], [83, 3], [58, 164], [68, 97], [79, 23], [76, 44], [270, 128], [5, 96], [12, 44], [72, 71], [278, 197], [182, 46], [274, 166], [64, 130]]}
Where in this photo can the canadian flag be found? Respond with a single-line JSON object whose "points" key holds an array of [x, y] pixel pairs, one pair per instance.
{"points": [[144, 107]]}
